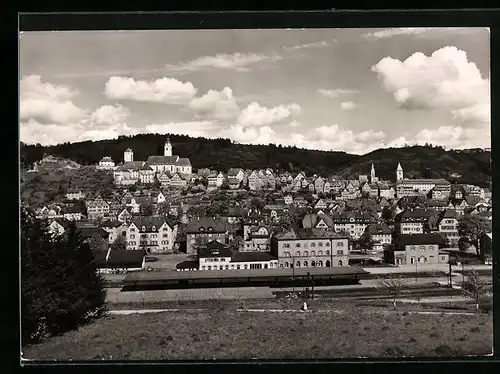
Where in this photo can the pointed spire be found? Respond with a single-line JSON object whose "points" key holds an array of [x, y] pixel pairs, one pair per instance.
{"points": [[399, 166]]}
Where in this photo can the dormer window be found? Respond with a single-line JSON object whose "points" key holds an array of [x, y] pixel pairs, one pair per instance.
{"points": [[210, 229], [202, 229], [143, 228], [153, 228]]}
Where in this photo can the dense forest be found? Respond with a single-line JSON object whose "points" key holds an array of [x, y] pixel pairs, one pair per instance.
{"points": [[473, 166]]}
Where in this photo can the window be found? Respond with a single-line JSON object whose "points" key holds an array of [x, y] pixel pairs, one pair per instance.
{"points": [[132, 236], [143, 228], [320, 263], [238, 267], [340, 252], [313, 264], [203, 268], [306, 264], [297, 245], [153, 228], [340, 244], [340, 263], [209, 267], [327, 244], [297, 253], [306, 253], [320, 244], [320, 253], [298, 264], [313, 245], [132, 229], [286, 264], [313, 253], [327, 252]]}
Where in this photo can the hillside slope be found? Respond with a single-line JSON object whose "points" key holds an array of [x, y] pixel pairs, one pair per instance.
{"points": [[221, 154], [473, 166]]}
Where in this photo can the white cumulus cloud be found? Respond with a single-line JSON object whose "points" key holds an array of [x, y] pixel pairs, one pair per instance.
{"points": [[216, 104], [347, 105], [445, 80], [257, 115], [110, 115], [47, 103], [163, 90]]}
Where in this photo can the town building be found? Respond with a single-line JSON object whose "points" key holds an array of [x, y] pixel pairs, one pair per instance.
{"points": [[152, 234], [412, 220], [106, 163], [256, 238], [352, 223], [380, 233], [119, 261], [418, 249], [217, 256], [97, 208], [485, 245], [303, 248], [407, 187], [203, 230], [74, 194], [448, 226]]}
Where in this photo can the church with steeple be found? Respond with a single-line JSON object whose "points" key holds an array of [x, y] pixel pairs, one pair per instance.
{"points": [[373, 177], [130, 171], [399, 172]]}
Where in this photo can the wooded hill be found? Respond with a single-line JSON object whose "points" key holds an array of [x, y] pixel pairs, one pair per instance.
{"points": [[222, 154]]}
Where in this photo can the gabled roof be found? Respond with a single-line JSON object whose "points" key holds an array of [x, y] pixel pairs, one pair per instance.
{"points": [[183, 162], [149, 221], [162, 160], [312, 220], [237, 211], [298, 234], [447, 213], [416, 213], [214, 249], [110, 224], [126, 259], [132, 165], [207, 224], [418, 239], [106, 159], [232, 172], [378, 228], [251, 257]]}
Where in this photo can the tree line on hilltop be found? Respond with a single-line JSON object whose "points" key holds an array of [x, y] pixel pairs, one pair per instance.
{"points": [[427, 161]]}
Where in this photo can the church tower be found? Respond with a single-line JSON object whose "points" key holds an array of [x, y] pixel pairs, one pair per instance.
{"points": [[399, 172], [167, 148], [128, 155], [372, 174]]}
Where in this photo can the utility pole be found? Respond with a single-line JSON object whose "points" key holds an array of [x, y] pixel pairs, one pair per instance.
{"points": [[450, 281], [416, 270]]}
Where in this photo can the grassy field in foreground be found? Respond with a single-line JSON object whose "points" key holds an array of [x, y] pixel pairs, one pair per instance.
{"points": [[283, 303], [228, 334]]}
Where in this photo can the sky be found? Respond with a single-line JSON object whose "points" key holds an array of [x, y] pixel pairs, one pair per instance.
{"points": [[352, 90]]}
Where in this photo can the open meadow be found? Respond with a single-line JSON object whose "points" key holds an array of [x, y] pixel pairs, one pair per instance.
{"points": [[226, 334]]}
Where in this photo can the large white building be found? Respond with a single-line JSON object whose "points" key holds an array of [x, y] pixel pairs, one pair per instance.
{"points": [[130, 171]]}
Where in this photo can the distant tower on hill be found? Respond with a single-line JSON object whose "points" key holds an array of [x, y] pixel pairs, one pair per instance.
{"points": [[399, 172], [128, 155], [372, 174], [167, 149]]}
